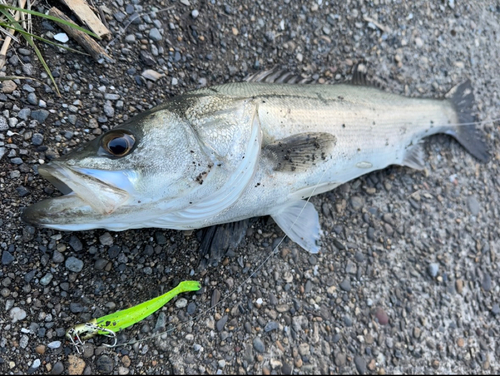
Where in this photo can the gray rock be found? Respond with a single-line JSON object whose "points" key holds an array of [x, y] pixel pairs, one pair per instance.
{"points": [[39, 115], [73, 264], [360, 363], [473, 205], [4, 124], [46, 279], [433, 269], [486, 283], [75, 243], [346, 284], [109, 110], [221, 323], [58, 369], [37, 139], [106, 239], [270, 326], [23, 114], [17, 314], [155, 35], [105, 364], [7, 258], [258, 345], [32, 99]]}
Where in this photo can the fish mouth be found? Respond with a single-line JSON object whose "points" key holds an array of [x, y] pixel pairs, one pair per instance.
{"points": [[84, 196]]}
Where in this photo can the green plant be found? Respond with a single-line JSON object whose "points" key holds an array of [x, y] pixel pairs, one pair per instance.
{"points": [[9, 22]]}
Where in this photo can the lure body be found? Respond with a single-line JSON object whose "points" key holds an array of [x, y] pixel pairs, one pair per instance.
{"points": [[110, 324]]}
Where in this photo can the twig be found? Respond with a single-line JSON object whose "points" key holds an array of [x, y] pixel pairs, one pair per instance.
{"points": [[82, 10], [90, 45], [8, 39]]}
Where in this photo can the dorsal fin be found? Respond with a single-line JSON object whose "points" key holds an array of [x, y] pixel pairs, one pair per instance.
{"points": [[278, 76], [361, 77]]}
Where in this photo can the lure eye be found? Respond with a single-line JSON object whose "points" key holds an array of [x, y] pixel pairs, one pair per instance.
{"points": [[117, 143]]}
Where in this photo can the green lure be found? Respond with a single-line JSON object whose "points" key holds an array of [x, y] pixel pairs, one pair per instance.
{"points": [[110, 324]]}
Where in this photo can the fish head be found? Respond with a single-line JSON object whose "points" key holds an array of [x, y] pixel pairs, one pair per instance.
{"points": [[123, 177]]}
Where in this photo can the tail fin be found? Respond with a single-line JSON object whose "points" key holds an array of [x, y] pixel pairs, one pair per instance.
{"points": [[462, 98]]}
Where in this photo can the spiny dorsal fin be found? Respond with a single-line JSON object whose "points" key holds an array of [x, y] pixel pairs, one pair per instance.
{"points": [[362, 77], [277, 76]]}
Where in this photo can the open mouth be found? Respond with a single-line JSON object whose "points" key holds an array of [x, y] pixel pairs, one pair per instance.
{"points": [[83, 195]]}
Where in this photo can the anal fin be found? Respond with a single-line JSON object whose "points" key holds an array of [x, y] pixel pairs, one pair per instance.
{"points": [[414, 157], [299, 220]]}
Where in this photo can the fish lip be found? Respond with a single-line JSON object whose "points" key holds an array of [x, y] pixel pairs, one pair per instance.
{"points": [[83, 195]]}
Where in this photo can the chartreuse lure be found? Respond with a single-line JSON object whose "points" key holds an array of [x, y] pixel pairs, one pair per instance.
{"points": [[110, 324]]}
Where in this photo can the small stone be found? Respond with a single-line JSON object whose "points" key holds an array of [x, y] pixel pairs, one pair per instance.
{"points": [[346, 284], [152, 75], [61, 37], [7, 258], [286, 369], [360, 363], [382, 317], [486, 283], [45, 280], [459, 284], [8, 86], [105, 364], [460, 342], [155, 35], [76, 365], [433, 269], [258, 345], [473, 205], [36, 363], [356, 202], [75, 243], [270, 326], [340, 359], [181, 303], [57, 369], [221, 323], [106, 239], [195, 13], [39, 115], [37, 139], [40, 349], [73, 264], [54, 345]]}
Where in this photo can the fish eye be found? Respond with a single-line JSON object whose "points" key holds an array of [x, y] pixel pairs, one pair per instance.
{"points": [[117, 143]]}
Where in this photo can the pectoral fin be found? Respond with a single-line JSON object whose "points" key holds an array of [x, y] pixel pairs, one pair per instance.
{"points": [[299, 220]]}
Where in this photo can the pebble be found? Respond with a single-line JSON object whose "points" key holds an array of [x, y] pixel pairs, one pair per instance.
{"points": [[23, 114], [382, 317], [54, 345], [433, 269], [270, 326], [32, 99], [152, 75], [221, 323], [4, 124], [105, 364], [155, 35], [45, 280], [39, 115], [258, 345], [57, 369], [106, 239], [73, 264], [191, 308], [181, 303], [473, 205], [356, 202], [36, 363], [340, 359], [346, 284], [75, 243], [61, 37], [195, 13], [486, 283], [7, 258], [360, 363], [76, 365]]}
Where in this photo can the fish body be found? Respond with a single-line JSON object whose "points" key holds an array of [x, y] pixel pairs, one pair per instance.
{"points": [[242, 150]]}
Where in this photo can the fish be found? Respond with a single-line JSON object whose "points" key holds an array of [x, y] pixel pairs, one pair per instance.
{"points": [[239, 150]]}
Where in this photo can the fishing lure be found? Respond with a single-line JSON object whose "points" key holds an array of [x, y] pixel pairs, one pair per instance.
{"points": [[110, 324]]}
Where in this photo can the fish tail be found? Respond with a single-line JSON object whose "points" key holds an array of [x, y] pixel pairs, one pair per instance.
{"points": [[465, 132]]}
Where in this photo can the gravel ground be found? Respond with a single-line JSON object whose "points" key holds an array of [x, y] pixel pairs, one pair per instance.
{"points": [[408, 279]]}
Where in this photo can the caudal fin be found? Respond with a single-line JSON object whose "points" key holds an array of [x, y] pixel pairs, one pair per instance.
{"points": [[462, 98]]}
